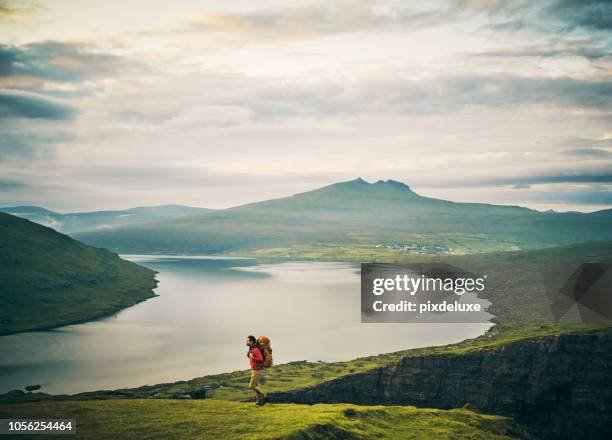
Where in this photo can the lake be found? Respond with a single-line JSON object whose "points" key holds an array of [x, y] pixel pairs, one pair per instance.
{"points": [[197, 326]]}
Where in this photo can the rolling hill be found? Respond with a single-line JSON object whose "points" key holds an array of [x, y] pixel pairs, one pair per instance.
{"points": [[356, 213], [49, 279], [86, 221]]}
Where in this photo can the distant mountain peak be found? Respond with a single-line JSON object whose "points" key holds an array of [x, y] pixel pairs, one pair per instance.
{"points": [[381, 184], [361, 187], [393, 183]]}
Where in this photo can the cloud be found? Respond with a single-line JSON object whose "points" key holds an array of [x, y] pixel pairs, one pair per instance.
{"points": [[10, 184], [581, 177], [583, 49], [9, 12], [587, 152], [434, 95], [197, 101], [317, 19], [593, 14], [64, 62], [23, 104], [26, 139], [583, 196], [604, 177], [322, 18], [590, 14]]}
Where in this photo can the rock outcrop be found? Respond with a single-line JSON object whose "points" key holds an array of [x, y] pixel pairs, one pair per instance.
{"points": [[559, 386]]}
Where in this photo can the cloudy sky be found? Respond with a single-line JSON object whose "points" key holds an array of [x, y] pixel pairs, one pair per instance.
{"points": [[216, 103]]}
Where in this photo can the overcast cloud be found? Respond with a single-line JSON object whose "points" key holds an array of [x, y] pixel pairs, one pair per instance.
{"points": [[111, 105]]}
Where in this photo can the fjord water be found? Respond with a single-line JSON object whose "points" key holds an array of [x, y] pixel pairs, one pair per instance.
{"points": [[198, 323]]}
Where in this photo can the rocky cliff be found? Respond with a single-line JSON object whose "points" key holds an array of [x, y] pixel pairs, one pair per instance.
{"points": [[560, 386]]}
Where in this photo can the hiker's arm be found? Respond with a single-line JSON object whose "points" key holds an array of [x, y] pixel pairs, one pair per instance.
{"points": [[257, 355]]}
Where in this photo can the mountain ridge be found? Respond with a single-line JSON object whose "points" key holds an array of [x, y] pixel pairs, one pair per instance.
{"points": [[90, 220], [356, 213]]}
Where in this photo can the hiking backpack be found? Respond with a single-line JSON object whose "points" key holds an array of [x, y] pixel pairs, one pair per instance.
{"points": [[266, 350]]}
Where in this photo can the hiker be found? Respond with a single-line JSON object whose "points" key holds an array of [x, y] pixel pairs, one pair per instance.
{"points": [[256, 360]]}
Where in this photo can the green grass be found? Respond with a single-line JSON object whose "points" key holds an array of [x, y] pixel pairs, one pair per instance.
{"points": [[176, 419], [49, 279]]}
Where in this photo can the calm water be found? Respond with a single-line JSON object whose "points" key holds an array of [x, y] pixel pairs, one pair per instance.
{"points": [[197, 326]]}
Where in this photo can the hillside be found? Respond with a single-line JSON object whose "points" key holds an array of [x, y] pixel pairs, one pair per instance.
{"points": [[603, 212], [87, 221], [514, 370], [555, 385], [356, 213], [137, 419], [49, 279]]}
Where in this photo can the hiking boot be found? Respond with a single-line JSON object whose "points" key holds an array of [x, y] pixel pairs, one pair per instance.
{"points": [[264, 400]]}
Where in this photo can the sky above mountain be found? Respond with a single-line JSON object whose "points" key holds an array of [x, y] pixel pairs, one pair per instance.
{"points": [[106, 105]]}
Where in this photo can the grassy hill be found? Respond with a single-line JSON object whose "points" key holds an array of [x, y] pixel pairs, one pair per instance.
{"points": [[86, 221], [356, 213], [168, 419], [49, 279]]}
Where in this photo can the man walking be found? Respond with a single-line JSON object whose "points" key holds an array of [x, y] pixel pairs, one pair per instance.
{"points": [[256, 360]]}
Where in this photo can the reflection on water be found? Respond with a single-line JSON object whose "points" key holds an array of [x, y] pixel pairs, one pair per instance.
{"points": [[197, 326]]}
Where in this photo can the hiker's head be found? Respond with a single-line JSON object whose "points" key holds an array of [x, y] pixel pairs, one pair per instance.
{"points": [[250, 341]]}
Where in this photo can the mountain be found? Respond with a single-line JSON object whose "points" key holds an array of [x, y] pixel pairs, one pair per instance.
{"points": [[50, 279], [603, 212], [356, 213], [85, 221]]}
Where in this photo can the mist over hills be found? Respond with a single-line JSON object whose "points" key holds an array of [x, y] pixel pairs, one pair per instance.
{"points": [[356, 213], [85, 221]]}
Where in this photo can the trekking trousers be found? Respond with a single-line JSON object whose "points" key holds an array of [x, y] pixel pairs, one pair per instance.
{"points": [[256, 377]]}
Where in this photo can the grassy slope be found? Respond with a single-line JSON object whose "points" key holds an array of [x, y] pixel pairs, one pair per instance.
{"points": [[49, 279], [356, 213], [138, 419]]}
